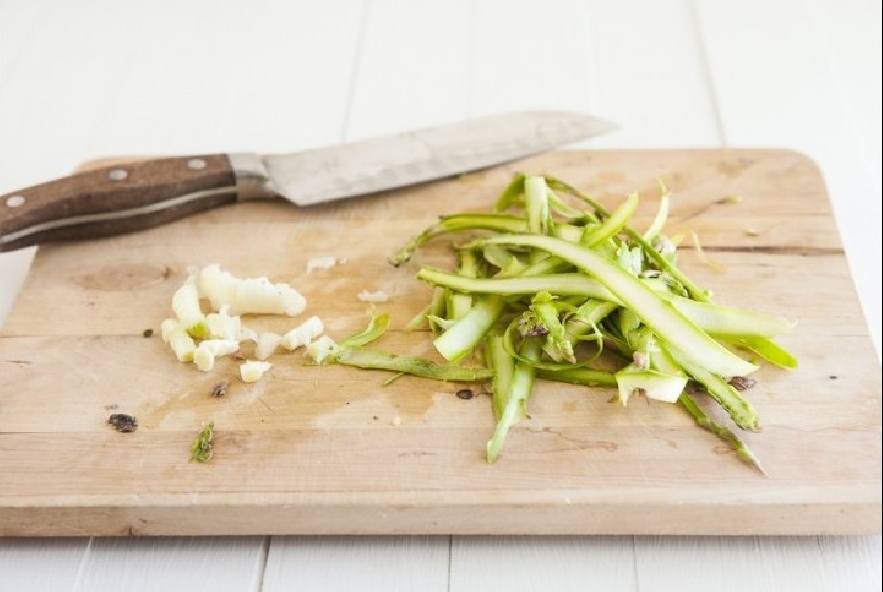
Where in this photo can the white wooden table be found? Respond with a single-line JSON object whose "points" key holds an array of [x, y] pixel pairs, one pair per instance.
{"points": [[83, 79]]}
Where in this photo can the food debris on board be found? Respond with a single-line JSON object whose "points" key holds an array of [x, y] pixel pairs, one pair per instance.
{"points": [[253, 370], [465, 394], [220, 389], [321, 263], [123, 422], [203, 447], [539, 298], [377, 296]]}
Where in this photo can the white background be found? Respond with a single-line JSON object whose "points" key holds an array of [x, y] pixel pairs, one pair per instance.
{"points": [[82, 79]]}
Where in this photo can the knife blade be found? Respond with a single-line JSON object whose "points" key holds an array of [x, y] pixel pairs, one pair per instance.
{"points": [[125, 198]]}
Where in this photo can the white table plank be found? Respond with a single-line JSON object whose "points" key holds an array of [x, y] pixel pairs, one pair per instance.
{"points": [[160, 564], [531, 564], [390, 564], [41, 564], [761, 564], [854, 59], [851, 563], [413, 67], [649, 75], [20, 18], [527, 55]]}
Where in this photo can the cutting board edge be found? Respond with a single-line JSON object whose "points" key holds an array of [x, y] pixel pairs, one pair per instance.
{"points": [[773, 519]]}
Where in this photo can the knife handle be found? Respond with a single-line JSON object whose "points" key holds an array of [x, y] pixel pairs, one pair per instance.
{"points": [[115, 199]]}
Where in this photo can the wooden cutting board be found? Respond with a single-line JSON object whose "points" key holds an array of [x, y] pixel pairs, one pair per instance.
{"points": [[322, 450]]}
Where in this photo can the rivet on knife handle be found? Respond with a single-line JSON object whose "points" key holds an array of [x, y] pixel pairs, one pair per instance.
{"points": [[115, 199]]}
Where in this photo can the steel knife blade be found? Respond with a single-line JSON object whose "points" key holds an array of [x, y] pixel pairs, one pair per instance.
{"points": [[139, 195]]}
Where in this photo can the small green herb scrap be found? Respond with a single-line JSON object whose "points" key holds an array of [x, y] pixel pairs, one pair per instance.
{"points": [[203, 446], [147, 333]]}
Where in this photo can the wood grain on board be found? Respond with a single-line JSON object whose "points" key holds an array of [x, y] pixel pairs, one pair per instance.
{"points": [[322, 450]]}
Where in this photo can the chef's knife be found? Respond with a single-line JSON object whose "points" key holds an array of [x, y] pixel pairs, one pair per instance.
{"points": [[124, 198]]}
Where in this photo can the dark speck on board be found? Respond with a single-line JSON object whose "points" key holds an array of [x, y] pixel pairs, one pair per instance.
{"points": [[123, 422], [465, 394]]}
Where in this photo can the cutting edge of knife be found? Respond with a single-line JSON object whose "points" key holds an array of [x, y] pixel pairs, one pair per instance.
{"points": [[394, 161]]}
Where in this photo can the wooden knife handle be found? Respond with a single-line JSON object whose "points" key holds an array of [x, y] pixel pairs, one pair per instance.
{"points": [[115, 199]]}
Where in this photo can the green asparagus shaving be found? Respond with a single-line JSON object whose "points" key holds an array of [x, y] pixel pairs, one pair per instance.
{"points": [[661, 214], [581, 376], [586, 318], [460, 223], [705, 422], [652, 372], [467, 266], [612, 225], [727, 320], [554, 286], [440, 323], [515, 399], [670, 324], [392, 379], [503, 259], [570, 232], [712, 318], [570, 284], [511, 194], [537, 198], [664, 264], [557, 205], [203, 447], [377, 327], [739, 409], [458, 341], [371, 359], [556, 344], [631, 259], [529, 326], [769, 350], [502, 365]]}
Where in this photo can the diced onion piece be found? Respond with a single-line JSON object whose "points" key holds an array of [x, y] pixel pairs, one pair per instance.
{"points": [[253, 370], [208, 350], [185, 304], [175, 334], [320, 263], [248, 334], [378, 296], [303, 334], [320, 349], [250, 295], [267, 344], [221, 325]]}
